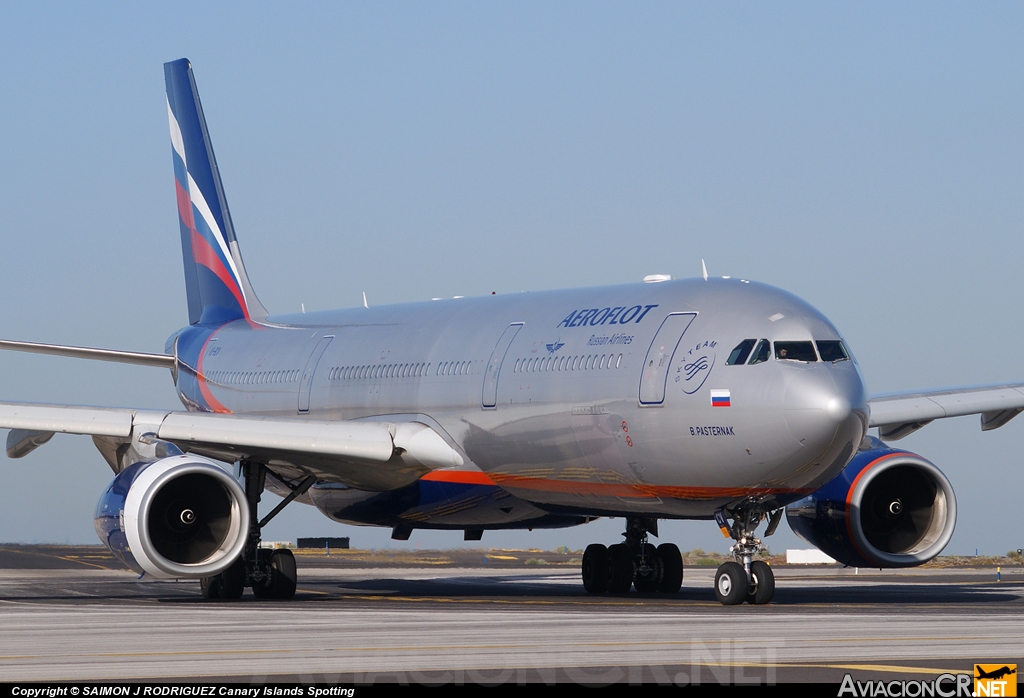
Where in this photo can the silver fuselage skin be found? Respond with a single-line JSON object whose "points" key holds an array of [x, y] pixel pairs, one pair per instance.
{"points": [[586, 402]]}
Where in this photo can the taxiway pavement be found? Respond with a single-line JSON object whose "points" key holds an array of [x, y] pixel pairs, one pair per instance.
{"points": [[72, 617]]}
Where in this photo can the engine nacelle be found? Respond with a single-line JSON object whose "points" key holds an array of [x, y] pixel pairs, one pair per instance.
{"points": [[182, 516], [887, 508]]}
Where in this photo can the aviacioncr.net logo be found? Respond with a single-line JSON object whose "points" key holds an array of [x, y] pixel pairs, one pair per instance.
{"points": [[943, 686]]}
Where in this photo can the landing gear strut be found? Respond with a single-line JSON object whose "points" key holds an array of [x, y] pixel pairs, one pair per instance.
{"points": [[270, 573], [745, 579], [633, 563]]}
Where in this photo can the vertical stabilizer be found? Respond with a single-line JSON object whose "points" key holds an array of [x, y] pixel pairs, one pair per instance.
{"points": [[215, 279]]}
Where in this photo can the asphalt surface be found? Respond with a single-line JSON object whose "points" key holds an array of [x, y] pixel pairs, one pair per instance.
{"points": [[451, 617]]}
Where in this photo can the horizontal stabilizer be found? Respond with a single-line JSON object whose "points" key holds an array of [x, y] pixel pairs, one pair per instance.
{"points": [[121, 357]]}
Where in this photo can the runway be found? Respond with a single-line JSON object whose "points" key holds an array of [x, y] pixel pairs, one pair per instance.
{"points": [[81, 621]]}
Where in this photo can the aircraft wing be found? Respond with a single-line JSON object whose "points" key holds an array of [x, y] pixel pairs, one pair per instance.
{"points": [[367, 455], [898, 414]]}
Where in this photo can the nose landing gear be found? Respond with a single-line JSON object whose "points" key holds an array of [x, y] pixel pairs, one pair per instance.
{"points": [[633, 563], [745, 579]]}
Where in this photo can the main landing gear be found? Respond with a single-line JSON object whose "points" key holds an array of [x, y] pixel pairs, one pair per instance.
{"points": [[271, 574], [745, 579], [634, 562]]}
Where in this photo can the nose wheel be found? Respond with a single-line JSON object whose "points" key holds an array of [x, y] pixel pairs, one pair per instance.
{"points": [[633, 563], [745, 579]]}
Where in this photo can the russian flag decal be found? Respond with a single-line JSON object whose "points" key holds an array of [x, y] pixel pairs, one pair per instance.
{"points": [[720, 398]]}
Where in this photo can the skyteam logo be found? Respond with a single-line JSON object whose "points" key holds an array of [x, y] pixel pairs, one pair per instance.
{"points": [[692, 365]]}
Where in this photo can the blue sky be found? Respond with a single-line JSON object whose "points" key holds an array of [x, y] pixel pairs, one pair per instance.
{"points": [[866, 157]]}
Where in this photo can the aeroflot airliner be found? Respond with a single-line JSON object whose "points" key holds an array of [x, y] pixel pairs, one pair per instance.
{"points": [[705, 398]]}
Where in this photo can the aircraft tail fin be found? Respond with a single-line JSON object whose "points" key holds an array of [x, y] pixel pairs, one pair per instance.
{"points": [[215, 280]]}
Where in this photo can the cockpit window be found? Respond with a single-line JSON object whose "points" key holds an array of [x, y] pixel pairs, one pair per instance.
{"points": [[832, 350], [762, 353], [795, 351], [741, 352]]}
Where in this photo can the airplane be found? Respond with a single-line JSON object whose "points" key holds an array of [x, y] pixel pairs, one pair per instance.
{"points": [[994, 674], [709, 398]]}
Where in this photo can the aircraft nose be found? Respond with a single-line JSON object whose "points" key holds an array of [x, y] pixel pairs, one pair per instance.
{"points": [[823, 403]]}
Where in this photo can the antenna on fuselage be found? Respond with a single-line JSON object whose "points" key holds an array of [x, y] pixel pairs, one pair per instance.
{"points": [[364, 300], [704, 269]]}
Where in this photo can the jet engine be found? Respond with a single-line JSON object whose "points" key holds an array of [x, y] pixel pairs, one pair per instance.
{"points": [[175, 517], [887, 508]]}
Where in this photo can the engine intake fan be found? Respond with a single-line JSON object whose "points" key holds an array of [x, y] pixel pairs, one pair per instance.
{"points": [[176, 517], [887, 508]]}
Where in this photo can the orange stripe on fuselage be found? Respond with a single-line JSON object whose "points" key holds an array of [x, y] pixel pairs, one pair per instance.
{"points": [[638, 491], [458, 477], [204, 389]]}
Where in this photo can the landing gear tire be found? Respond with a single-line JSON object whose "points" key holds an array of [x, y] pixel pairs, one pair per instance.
{"points": [[232, 580], [649, 570], [228, 585], [731, 584], [210, 586], [595, 569], [284, 573], [280, 577], [672, 568], [763, 588], [620, 569]]}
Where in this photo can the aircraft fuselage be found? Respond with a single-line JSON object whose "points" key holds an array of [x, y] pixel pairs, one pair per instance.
{"points": [[609, 401]]}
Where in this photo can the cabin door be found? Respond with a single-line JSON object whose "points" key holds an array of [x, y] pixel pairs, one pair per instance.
{"points": [[490, 389], [306, 383], [659, 358]]}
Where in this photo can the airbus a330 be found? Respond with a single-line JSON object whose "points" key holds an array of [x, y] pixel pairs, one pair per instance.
{"points": [[710, 398]]}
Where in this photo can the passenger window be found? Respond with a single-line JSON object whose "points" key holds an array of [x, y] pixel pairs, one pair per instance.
{"points": [[832, 350], [795, 351], [741, 353], [761, 353]]}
